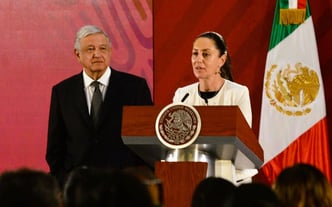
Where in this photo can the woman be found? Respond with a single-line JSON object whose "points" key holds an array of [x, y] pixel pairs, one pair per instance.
{"points": [[212, 67], [303, 185]]}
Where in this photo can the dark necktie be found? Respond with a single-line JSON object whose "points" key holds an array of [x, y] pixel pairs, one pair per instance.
{"points": [[97, 99]]}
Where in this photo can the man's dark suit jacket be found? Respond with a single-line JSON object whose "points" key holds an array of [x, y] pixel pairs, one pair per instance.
{"points": [[72, 139]]}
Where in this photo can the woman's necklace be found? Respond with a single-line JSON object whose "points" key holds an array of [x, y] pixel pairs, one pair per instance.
{"points": [[206, 95]]}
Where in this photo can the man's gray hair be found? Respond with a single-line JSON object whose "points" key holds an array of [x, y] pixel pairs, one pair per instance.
{"points": [[86, 31]]}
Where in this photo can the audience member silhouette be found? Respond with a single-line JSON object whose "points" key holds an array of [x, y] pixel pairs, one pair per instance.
{"points": [[92, 187], [28, 188], [213, 192], [154, 185], [303, 185], [255, 195]]}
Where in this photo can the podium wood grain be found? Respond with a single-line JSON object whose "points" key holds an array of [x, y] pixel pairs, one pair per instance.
{"points": [[179, 180]]}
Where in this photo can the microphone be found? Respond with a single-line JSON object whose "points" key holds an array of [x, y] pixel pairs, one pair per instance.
{"points": [[185, 97]]}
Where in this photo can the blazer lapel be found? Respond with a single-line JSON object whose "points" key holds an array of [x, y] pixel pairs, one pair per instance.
{"points": [[113, 101], [80, 98]]}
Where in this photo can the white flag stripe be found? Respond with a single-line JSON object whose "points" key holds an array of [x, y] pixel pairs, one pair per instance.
{"points": [[278, 130], [292, 4]]}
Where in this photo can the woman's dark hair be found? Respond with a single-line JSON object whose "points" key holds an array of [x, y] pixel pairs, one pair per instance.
{"points": [[303, 183], [226, 69]]}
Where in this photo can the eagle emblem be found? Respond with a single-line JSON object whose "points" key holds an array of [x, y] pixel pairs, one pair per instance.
{"points": [[291, 90], [178, 125]]}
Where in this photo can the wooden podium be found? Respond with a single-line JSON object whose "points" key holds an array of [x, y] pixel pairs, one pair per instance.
{"points": [[224, 134]]}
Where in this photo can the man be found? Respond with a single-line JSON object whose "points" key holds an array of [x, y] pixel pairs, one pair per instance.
{"points": [[79, 134]]}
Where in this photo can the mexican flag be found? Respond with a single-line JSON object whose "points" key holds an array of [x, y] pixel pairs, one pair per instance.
{"points": [[293, 125]]}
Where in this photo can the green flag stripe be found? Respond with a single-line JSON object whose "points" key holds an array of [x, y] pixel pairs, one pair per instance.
{"points": [[284, 4], [279, 31]]}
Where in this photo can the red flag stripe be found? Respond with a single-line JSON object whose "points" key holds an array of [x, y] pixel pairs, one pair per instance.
{"points": [[311, 147], [301, 4]]}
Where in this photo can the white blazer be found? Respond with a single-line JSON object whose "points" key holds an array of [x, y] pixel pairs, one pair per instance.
{"points": [[230, 94]]}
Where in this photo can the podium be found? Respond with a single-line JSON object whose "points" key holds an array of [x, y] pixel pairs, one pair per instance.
{"points": [[224, 135]]}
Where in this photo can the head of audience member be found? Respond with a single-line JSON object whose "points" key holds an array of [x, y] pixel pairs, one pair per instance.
{"points": [[213, 192], [214, 54], [255, 195], [28, 188], [92, 187], [303, 185], [154, 185]]}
